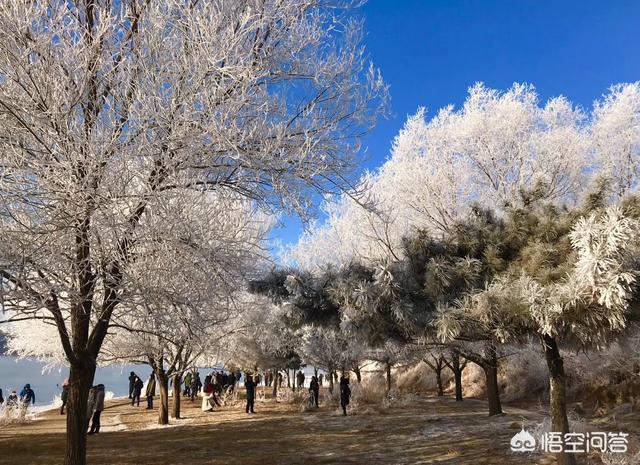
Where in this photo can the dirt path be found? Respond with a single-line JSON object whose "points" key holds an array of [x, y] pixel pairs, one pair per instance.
{"points": [[430, 430]]}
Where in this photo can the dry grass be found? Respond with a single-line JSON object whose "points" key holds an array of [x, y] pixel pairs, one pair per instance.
{"points": [[409, 430]]}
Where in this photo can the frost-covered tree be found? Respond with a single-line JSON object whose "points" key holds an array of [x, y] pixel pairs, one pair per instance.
{"points": [[616, 136], [570, 282], [265, 339], [107, 108], [332, 350], [488, 151]]}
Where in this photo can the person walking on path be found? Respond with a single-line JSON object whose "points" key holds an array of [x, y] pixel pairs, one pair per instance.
{"points": [[65, 395], [27, 396], [320, 376], [314, 389], [187, 384], [137, 391], [132, 383], [300, 379], [345, 393], [250, 386], [98, 407], [196, 384], [151, 391]]}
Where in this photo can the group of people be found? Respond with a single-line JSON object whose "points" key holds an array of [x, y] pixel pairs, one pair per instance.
{"points": [[216, 383], [26, 398], [314, 391], [135, 389], [95, 405]]}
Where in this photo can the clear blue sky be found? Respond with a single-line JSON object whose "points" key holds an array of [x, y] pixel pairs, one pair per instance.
{"points": [[431, 51]]}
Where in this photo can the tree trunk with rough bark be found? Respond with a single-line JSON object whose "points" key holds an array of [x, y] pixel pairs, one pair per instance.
{"points": [[493, 392], [358, 374], [275, 383], [489, 364], [557, 394], [162, 381], [80, 381], [175, 410], [491, 375], [331, 381], [457, 368], [439, 382]]}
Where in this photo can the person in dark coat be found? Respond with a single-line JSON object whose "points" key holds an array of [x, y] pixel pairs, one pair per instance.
{"points": [[314, 389], [196, 384], [151, 391], [137, 391], [250, 386], [27, 396], [98, 407], [132, 382], [345, 393], [231, 382], [12, 400], [64, 396]]}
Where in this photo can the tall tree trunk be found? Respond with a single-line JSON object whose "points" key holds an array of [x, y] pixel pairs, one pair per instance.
{"points": [[80, 380], [557, 394], [437, 365], [331, 381], [439, 380], [490, 367], [275, 383], [288, 378], [175, 412], [163, 383], [358, 374], [388, 370], [457, 374]]}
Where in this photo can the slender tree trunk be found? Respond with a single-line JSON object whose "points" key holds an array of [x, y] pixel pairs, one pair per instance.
{"points": [[490, 367], [331, 381], [80, 380], [358, 374], [557, 394], [274, 381], [163, 383], [175, 413], [457, 374], [288, 379], [439, 380], [388, 370]]}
